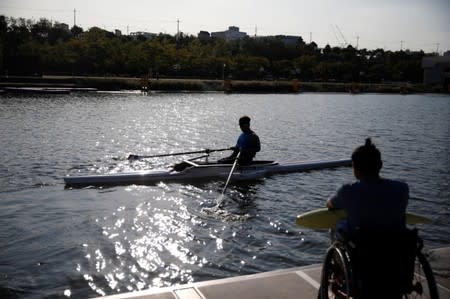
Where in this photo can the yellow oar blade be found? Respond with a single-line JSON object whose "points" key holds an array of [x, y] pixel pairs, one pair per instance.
{"points": [[321, 218], [325, 219], [416, 219]]}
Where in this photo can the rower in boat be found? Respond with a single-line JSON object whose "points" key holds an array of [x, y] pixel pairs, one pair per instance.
{"points": [[248, 145], [193, 169]]}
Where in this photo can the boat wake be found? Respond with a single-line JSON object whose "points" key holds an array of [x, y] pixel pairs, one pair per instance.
{"points": [[224, 215]]}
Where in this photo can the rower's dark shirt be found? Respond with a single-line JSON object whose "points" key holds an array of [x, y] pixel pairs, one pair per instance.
{"points": [[249, 144]]}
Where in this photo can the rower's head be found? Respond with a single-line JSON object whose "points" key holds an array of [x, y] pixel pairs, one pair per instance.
{"points": [[366, 160], [244, 123]]}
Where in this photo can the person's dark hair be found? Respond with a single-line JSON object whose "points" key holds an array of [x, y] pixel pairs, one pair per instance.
{"points": [[244, 120], [367, 158]]}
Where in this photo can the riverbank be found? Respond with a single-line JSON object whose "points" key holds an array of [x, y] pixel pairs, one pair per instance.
{"points": [[206, 85]]}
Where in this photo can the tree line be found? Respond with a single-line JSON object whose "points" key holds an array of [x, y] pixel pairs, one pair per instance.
{"points": [[44, 47]]}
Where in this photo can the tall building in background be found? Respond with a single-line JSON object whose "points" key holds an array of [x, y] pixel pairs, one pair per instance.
{"points": [[232, 33]]}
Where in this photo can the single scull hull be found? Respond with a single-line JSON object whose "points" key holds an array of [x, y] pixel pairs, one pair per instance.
{"points": [[202, 171]]}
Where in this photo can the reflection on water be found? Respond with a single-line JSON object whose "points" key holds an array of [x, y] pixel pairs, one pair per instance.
{"points": [[160, 242], [224, 215], [242, 195], [148, 244]]}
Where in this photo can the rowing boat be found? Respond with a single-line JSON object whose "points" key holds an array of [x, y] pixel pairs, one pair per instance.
{"points": [[192, 171]]}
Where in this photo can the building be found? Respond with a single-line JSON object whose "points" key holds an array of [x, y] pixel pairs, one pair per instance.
{"points": [[436, 70], [287, 40], [62, 26], [117, 32], [204, 35], [290, 40], [232, 33], [146, 35]]}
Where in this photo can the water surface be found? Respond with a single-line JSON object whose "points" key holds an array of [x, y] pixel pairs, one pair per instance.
{"points": [[57, 242]]}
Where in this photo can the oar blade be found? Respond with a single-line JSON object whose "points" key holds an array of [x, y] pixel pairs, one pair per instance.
{"points": [[412, 218], [325, 218], [321, 218]]}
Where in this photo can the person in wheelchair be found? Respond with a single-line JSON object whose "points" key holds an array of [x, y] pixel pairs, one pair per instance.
{"points": [[375, 230], [372, 203]]}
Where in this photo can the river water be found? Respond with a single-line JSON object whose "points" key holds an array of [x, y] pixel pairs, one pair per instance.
{"points": [[57, 242]]}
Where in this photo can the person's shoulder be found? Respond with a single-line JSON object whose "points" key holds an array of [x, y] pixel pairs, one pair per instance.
{"points": [[396, 184], [252, 134], [352, 185], [342, 195], [348, 187]]}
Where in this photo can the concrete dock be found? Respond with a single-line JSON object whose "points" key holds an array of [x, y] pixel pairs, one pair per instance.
{"points": [[298, 282]]}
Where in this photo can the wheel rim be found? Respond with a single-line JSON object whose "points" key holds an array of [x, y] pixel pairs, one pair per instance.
{"points": [[337, 276], [423, 284]]}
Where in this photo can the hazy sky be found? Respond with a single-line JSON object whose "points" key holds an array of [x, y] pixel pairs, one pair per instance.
{"points": [[420, 24]]}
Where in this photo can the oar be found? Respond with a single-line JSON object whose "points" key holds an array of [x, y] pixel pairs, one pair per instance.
{"points": [[207, 151], [220, 199]]}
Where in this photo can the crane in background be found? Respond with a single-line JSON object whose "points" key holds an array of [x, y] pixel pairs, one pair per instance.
{"points": [[342, 35], [342, 41]]}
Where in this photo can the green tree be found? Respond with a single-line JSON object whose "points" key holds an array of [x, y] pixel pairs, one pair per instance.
{"points": [[75, 30]]}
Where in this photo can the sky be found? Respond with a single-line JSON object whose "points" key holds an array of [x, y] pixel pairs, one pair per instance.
{"points": [[388, 24]]}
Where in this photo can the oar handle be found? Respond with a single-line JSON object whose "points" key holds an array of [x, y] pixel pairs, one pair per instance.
{"points": [[207, 151]]}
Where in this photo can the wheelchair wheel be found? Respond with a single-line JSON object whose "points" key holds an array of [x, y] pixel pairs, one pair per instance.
{"points": [[336, 274], [424, 284]]}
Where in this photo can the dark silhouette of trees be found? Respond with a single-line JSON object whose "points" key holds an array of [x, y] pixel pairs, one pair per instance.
{"points": [[34, 48]]}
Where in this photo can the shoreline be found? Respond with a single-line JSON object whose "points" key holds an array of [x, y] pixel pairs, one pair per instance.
{"points": [[53, 84], [295, 282]]}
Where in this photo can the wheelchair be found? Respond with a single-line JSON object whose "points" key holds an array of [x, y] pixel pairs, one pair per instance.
{"points": [[377, 266]]}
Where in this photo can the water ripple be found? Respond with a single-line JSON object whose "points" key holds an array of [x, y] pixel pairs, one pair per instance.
{"points": [[98, 241]]}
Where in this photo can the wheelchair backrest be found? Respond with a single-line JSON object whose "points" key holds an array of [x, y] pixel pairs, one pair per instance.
{"points": [[387, 255]]}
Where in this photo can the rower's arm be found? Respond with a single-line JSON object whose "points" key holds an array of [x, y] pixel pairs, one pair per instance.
{"points": [[235, 152]]}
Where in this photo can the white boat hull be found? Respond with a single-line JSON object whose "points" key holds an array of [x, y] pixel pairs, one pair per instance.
{"points": [[200, 171]]}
